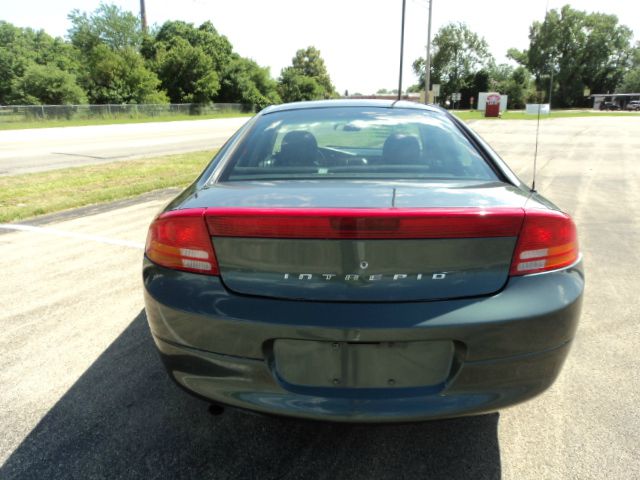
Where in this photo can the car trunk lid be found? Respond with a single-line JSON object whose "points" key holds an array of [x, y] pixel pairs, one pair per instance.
{"points": [[367, 254]]}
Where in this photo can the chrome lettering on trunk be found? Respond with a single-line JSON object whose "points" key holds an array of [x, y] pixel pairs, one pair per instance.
{"points": [[372, 277]]}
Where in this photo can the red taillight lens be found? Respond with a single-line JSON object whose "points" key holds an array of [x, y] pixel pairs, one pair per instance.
{"points": [[392, 223], [180, 240], [548, 241]]}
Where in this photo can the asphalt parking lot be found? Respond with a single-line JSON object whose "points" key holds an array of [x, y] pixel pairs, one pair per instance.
{"points": [[83, 394]]}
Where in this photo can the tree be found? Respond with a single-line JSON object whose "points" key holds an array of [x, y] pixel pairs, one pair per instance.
{"points": [[24, 49], [246, 82], [458, 55], [113, 70], [197, 64], [516, 82], [518, 56], [309, 63], [47, 84], [478, 82], [606, 52], [307, 78], [14, 59], [120, 77], [108, 59], [216, 46], [578, 50], [294, 87], [186, 72], [108, 25], [631, 80]]}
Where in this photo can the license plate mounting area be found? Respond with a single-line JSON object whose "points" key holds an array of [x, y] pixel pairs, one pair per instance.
{"points": [[363, 365]]}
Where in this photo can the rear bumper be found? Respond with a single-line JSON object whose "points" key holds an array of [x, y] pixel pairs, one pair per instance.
{"points": [[248, 383], [508, 347]]}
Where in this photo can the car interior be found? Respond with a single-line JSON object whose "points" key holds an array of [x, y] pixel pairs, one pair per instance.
{"points": [[358, 148]]}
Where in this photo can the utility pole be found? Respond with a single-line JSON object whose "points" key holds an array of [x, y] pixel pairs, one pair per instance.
{"points": [[404, 6], [551, 83], [551, 61], [427, 60], [143, 16]]}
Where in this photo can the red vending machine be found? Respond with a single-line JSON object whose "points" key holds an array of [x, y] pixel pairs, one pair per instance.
{"points": [[492, 108]]}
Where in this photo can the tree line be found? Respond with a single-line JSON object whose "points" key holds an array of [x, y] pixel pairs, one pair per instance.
{"points": [[571, 54], [108, 58]]}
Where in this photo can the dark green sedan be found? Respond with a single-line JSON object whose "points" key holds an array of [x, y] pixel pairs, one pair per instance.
{"points": [[362, 261]]}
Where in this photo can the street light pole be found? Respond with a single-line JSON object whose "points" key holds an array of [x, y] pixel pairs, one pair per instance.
{"points": [[427, 61], [404, 5]]}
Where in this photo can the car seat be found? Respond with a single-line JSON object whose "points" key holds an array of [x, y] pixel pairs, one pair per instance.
{"points": [[403, 149], [299, 148]]}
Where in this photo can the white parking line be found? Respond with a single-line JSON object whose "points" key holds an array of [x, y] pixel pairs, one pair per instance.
{"points": [[80, 236]]}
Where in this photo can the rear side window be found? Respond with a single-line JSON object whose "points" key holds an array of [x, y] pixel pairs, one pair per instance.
{"points": [[355, 143]]}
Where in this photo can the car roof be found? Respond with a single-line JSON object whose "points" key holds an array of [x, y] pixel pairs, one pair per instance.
{"points": [[403, 104]]}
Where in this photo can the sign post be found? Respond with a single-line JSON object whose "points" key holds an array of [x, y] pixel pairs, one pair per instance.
{"points": [[435, 91], [455, 97]]}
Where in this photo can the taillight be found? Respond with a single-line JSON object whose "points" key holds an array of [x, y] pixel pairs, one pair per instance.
{"points": [[179, 239], [548, 241], [364, 223]]}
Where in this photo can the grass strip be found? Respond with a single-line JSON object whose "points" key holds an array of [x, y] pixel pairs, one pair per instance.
{"points": [[27, 195], [81, 122]]}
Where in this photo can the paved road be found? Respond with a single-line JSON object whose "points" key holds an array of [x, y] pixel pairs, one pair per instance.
{"points": [[84, 396], [42, 149]]}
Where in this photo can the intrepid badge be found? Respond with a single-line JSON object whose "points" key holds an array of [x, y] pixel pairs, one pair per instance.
{"points": [[367, 277]]}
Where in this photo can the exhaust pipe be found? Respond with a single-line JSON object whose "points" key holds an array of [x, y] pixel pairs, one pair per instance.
{"points": [[215, 409]]}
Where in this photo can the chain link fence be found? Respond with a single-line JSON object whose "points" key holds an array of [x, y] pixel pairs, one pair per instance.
{"points": [[30, 113]]}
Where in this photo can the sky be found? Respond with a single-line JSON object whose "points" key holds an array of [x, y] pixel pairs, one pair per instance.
{"points": [[358, 39]]}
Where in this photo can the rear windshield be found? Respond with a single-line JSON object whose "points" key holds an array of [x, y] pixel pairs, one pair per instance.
{"points": [[355, 143]]}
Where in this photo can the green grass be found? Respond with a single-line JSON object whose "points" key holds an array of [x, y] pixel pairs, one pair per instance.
{"points": [[27, 195], [519, 115], [21, 125]]}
